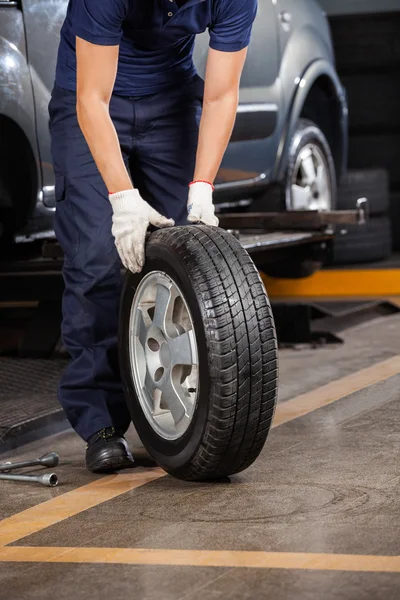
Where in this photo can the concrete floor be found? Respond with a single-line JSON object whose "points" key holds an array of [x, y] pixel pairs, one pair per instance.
{"points": [[327, 483]]}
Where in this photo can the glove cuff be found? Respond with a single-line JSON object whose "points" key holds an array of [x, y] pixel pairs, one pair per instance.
{"points": [[202, 181], [200, 192], [124, 199]]}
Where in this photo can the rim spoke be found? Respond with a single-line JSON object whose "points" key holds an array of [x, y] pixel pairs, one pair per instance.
{"points": [[149, 384], [142, 327], [321, 181], [308, 167], [301, 197], [157, 403], [322, 202], [151, 390], [162, 306], [182, 349], [173, 399]]}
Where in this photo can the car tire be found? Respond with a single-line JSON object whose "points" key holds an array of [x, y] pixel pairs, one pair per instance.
{"points": [[236, 345], [364, 243], [280, 197], [308, 135], [372, 184]]}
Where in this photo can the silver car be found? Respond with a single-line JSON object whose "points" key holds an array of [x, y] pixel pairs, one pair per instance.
{"points": [[288, 149]]}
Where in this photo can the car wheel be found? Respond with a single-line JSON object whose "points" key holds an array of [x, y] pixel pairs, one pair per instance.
{"points": [[363, 243], [365, 183], [310, 182], [198, 353]]}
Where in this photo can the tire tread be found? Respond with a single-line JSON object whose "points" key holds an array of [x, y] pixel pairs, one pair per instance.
{"points": [[242, 351]]}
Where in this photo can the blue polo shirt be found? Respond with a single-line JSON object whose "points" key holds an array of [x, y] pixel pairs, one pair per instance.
{"points": [[156, 37]]}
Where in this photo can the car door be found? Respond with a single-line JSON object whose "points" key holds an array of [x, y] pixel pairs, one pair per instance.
{"points": [[251, 152], [43, 20]]}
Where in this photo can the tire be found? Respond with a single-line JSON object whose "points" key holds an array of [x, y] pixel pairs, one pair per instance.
{"points": [[236, 345], [368, 183], [309, 134], [364, 243], [280, 197]]}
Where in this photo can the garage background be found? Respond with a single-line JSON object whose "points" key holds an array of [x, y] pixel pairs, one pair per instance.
{"points": [[366, 36]]}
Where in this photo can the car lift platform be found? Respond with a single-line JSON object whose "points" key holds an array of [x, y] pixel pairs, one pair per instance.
{"points": [[32, 357]]}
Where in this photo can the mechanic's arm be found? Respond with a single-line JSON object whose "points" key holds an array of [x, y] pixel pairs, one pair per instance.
{"points": [[221, 98], [96, 72]]}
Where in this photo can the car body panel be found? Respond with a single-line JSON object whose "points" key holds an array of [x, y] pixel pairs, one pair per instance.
{"points": [[43, 20], [256, 133], [290, 49], [317, 69], [16, 97]]}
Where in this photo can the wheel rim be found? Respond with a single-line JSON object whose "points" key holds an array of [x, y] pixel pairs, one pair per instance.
{"points": [[163, 355], [310, 186]]}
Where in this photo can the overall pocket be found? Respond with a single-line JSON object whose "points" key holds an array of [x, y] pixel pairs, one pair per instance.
{"points": [[59, 189], [65, 227]]}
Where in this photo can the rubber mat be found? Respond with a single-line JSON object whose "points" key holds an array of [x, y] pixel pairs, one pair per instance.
{"points": [[28, 398]]}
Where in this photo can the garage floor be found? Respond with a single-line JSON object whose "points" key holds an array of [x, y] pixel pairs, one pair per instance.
{"points": [[316, 517]]}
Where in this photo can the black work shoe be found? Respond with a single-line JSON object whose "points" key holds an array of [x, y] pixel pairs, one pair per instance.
{"points": [[107, 451]]}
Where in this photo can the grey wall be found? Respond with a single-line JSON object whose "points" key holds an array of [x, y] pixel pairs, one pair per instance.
{"points": [[339, 7]]}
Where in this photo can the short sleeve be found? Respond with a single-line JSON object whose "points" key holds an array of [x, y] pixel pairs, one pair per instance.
{"points": [[99, 21], [232, 24]]}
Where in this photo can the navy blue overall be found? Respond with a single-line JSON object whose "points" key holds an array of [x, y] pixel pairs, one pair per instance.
{"points": [[156, 109], [158, 136]]}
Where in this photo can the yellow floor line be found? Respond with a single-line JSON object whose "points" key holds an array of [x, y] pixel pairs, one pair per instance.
{"points": [[203, 558], [358, 283], [72, 503], [394, 300], [336, 390], [67, 505]]}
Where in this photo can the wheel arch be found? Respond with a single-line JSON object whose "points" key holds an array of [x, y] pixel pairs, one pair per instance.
{"points": [[320, 97]]}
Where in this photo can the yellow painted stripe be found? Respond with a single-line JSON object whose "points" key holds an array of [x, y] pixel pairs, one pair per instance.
{"points": [[72, 503], [336, 390], [203, 558], [362, 283], [394, 300]]}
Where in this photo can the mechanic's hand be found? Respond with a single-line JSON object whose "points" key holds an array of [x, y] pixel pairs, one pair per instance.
{"points": [[200, 204], [131, 219]]}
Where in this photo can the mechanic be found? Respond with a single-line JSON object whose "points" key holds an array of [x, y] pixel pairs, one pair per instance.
{"points": [[137, 140]]}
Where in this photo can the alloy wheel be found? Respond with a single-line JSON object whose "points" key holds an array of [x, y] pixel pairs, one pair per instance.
{"points": [[310, 188], [163, 355]]}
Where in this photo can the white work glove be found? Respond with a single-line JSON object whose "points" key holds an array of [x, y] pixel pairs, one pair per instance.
{"points": [[200, 204], [131, 219]]}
